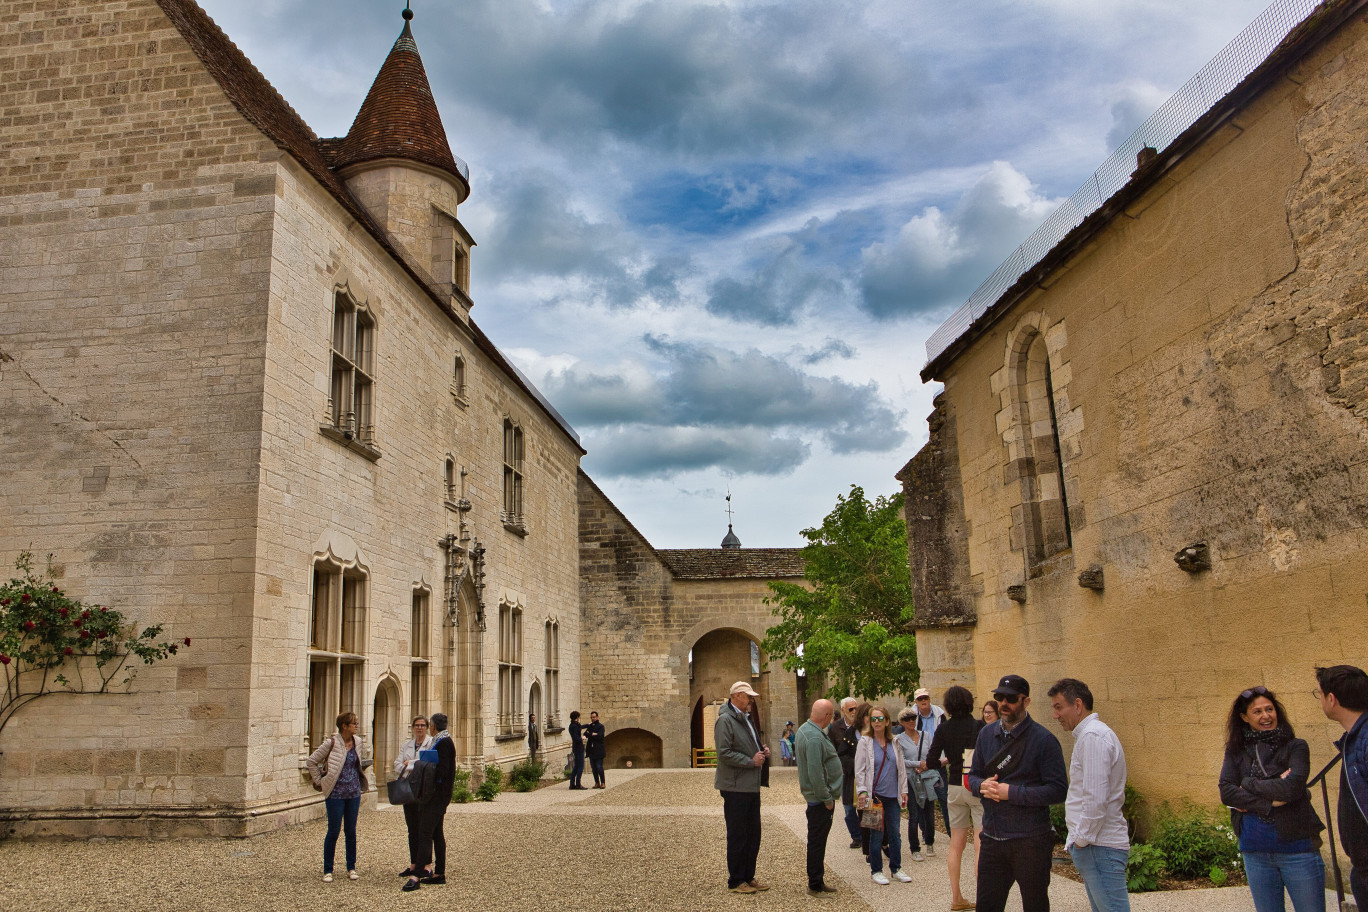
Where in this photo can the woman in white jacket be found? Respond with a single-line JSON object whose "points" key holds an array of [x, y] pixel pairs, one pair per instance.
{"points": [[881, 778], [408, 755]]}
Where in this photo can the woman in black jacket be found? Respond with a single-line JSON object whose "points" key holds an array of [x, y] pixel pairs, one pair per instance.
{"points": [[1263, 782]]}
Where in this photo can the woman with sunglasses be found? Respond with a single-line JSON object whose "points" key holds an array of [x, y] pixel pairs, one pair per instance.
{"points": [[1263, 782], [881, 779], [403, 765]]}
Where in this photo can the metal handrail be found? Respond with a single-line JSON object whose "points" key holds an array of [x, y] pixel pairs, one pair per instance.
{"points": [[1211, 83]]}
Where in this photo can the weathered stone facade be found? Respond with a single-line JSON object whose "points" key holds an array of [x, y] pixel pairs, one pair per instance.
{"points": [[1190, 366], [174, 257], [646, 611]]}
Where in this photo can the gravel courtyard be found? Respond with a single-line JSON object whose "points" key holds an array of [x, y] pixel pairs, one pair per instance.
{"points": [[651, 841]]}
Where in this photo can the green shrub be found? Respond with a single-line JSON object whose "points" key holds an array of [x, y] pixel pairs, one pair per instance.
{"points": [[492, 783], [1219, 876], [1143, 867], [1061, 829], [1130, 808], [526, 775], [460, 787], [1194, 841]]}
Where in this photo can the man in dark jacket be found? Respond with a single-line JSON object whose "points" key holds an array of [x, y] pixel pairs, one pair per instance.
{"points": [[1343, 692], [846, 740], [577, 751], [740, 756], [1018, 771], [596, 746], [434, 807]]}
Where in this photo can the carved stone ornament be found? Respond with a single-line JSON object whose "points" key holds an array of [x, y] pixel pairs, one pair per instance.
{"points": [[1017, 593], [1091, 578], [1194, 558]]}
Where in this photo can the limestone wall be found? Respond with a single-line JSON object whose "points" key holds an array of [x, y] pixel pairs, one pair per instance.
{"points": [[1209, 358]]}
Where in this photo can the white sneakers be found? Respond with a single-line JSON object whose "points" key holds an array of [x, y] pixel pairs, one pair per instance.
{"points": [[880, 878], [930, 849], [902, 876], [917, 856], [353, 875], [327, 878]]}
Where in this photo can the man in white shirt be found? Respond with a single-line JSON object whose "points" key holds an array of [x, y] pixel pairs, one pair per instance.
{"points": [[1099, 841]]}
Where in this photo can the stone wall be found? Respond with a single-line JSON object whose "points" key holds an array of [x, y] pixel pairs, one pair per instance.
{"points": [[1209, 353]]}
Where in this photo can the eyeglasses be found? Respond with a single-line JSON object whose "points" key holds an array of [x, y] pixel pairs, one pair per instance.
{"points": [[1009, 699], [1253, 692], [877, 719]]}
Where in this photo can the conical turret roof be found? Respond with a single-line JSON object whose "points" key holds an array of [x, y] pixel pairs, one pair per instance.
{"points": [[399, 117]]}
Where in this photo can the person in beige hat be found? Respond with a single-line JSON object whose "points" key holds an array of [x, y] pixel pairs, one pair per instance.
{"points": [[741, 754]]}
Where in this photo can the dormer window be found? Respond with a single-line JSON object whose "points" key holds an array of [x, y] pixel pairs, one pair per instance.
{"points": [[451, 257]]}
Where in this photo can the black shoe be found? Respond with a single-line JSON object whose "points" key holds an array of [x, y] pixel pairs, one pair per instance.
{"points": [[411, 872], [410, 886], [823, 889], [433, 879], [854, 843]]}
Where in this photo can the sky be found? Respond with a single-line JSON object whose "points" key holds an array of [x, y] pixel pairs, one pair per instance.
{"points": [[716, 235]]}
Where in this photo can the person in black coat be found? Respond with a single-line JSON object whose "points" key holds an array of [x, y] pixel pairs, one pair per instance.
{"points": [[597, 748], [433, 809], [1263, 782], [844, 737], [577, 750]]}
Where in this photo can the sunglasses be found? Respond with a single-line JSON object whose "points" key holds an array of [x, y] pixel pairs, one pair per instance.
{"points": [[1253, 692], [877, 719], [1009, 699]]}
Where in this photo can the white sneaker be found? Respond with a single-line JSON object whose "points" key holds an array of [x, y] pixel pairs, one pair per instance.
{"points": [[353, 875], [917, 856], [880, 878], [327, 878], [930, 850], [902, 877]]}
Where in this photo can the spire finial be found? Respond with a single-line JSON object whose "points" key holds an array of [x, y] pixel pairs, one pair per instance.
{"points": [[407, 13], [729, 507]]}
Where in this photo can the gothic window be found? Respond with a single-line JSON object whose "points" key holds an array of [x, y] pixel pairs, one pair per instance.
{"points": [[513, 478], [351, 407], [420, 648], [1044, 512], [449, 480], [510, 670], [552, 672], [337, 645], [458, 379]]}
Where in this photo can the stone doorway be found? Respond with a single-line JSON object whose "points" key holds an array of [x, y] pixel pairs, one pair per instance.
{"points": [[386, 729]]}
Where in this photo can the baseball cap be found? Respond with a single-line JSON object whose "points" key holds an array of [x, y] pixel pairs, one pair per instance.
{"points": [[1013, 684], [921, 692], [741, 687]]}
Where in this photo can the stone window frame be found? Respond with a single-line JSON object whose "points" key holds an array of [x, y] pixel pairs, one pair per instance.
{"points": [[458, 380], [509, 690], [339, 635], [1035, 406], [551, 673], [420, 648], [350, 415], [451, 245], [513, 514]]}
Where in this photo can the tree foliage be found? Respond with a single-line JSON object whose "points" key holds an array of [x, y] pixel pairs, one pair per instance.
{"points": [[52, 643], [854, 625]]}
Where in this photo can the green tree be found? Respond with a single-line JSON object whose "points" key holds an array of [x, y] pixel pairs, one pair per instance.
{"points": [[854, 625]]}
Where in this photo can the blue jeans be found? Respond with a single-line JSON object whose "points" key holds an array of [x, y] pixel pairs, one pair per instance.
{"points": [[577, 769], [1301, 873], [340, 811], [852, 822], [891, 833], [1103, 870], [924, 816]]}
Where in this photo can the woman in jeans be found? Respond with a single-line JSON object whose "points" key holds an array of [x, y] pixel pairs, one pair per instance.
{"points": [[335, 769], [1263, 782], [880, 777]]}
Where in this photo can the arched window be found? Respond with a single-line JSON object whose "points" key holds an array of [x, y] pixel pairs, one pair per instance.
{"points": [[420, 648], [1044, 511], [449, 480], [510, 669], [513, 478], [458, 379], [552, 672], [337, 645]]}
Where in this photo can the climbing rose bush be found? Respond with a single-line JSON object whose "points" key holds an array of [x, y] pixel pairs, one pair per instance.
{"points": [[48, 641]]}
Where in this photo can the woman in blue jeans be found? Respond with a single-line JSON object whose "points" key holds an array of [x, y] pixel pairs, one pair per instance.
{"points": [[335, 769], [880, 777], [1263, 782]]}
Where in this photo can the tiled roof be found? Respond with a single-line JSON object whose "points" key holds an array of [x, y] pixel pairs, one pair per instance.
{"points": [[258, 101], [399, 117], [733, 563]]}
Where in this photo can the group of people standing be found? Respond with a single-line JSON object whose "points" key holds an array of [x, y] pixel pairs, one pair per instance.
{"points": [[587, 740]]}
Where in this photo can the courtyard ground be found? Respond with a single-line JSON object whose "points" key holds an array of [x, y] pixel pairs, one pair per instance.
{"points": [[653, 840]]}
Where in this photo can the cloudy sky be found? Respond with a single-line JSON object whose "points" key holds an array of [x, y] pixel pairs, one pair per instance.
{"points": [[717, 234]]}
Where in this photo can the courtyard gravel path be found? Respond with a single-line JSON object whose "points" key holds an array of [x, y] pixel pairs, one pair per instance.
{"points": [[654, 840]]}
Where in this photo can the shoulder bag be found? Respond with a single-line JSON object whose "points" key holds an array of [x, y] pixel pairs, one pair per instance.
{"points": [[872, 817]]}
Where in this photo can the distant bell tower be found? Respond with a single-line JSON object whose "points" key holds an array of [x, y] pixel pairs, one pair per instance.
{"points": [[730, 542]]}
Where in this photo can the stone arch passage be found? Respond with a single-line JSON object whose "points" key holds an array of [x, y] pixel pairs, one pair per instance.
{"points": [[386, 727], [634, 747], [721, 658]]}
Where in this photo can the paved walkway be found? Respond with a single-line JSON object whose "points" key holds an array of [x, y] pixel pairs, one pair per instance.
{"points": [[654, 840]]}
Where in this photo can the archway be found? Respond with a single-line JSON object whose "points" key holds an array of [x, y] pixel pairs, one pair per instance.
{"points": [[719, 659], [462, 655], [633, 747], [386, 727], [534, 708]]}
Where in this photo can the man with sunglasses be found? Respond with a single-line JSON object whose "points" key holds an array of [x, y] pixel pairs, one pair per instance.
{"points": [[1018, 770]]}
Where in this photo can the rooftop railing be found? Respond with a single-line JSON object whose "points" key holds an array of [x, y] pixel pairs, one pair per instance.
{"points": [[1213, 82]]}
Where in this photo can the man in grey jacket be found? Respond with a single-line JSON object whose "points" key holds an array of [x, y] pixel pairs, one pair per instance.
{"points": [[740, 755], [819, 778]]}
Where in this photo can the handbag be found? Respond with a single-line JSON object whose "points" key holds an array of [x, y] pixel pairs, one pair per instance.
{"points": [[401, 792], [872, 817]]}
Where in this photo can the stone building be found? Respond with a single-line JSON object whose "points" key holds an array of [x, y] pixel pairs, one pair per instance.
{"points": [[666, 632], [1148, 466], [242, 395]]}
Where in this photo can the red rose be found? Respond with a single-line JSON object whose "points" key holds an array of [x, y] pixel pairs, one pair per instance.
{"points": [[4, 659], [4, 601], [25, 597], [28, 625], [187, 641], [85, 634], [101, 635], [85, 614], [67, 651], [76, 623], [103, 609], [63, 612]]}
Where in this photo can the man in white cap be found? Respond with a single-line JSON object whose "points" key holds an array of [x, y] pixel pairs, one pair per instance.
{"points": [[929, 716], [740, 757]]}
